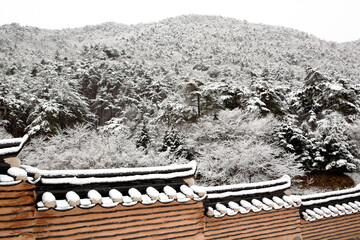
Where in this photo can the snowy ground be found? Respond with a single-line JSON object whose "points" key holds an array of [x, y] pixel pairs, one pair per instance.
{"points": [[297, 189], [355, 176]]}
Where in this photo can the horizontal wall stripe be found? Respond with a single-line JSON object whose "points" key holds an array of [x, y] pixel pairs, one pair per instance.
{"points": [[134, 221], [16, 213], [28, 199], [121, 234], [100, 210], [214, 220], [15, 197], [328, 228], [188, 208], [253, 225], [19, 205], [176, 234], [340, 225], [274, 236], [22, 186], [122, 225], [16, 194], [336, 234], [67, 221], [16, 236], [190, 236], [3, 191], [153, 231], [124, 214], [12, 209], [250, 228], [10, 221], [196, 230], [250, 219], [331, 222], [245, 218], [164, 233], [308, 224], [289, 227], [348, 235], [86, 222], [296, 234]]}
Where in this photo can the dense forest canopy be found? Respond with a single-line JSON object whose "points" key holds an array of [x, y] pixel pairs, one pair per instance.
{"points": [[225, 92]]}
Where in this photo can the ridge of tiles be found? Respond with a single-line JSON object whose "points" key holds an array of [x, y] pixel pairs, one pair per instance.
{"points": [[16, 175], [244, 198], [91, 176], [255, 205], [12, 147], [243, 189], [330, 204], [115, 198]]}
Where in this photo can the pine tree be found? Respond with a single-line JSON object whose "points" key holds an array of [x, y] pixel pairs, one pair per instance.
{"points": [[143, 140], [171, 141]]}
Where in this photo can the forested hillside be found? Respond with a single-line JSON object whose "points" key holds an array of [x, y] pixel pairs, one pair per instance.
{"points": [[247, 101]]}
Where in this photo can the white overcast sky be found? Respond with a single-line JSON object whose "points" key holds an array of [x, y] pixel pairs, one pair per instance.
{"points": [[333, 20]]}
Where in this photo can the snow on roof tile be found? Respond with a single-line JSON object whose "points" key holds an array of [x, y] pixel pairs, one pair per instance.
{"points": [[191, 166], [90, 176], [312, 214], [63, 205], [268, 202], [180, 197], [86, 203], [152, 192], [8, 183], [244, 207], [107, 202], [146, 200], [255, 197], [17, 172], [6, 178], [249, 188], [326, 211], [170, 192], [94, 196], [188, 192], [116, 196], [333, 203], [127, 198], [333, 195], [12, 147], [354, 206], [163, 198]]}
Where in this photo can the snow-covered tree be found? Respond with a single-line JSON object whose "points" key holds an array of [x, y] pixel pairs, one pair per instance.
{"points": [[143, 139]]}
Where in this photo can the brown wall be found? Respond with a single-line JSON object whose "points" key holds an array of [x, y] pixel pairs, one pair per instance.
{"points": [[283, 224], [19, 219], [17, 211], [157, 221], [341, 227]]}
